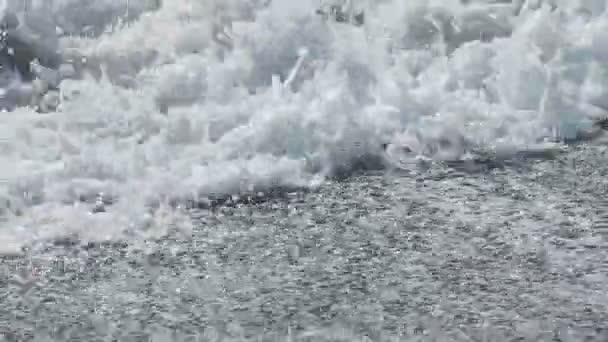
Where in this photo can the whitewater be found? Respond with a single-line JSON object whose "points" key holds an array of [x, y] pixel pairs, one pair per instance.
{"points": [[184, 101]]}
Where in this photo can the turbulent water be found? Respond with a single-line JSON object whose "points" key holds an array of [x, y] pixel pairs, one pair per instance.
{"points": [[188, 100]]}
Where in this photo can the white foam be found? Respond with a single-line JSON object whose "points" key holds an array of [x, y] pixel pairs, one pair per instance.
{"points": [[414, 66]]}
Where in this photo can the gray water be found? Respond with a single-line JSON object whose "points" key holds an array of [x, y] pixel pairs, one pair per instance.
{"points": [[508, 251]]}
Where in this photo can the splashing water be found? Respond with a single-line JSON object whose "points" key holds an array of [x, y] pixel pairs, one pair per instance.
{"points": [[192, 99]]}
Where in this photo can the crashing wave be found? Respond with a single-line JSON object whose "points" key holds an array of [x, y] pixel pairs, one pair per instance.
{"points": [[217, 98]]}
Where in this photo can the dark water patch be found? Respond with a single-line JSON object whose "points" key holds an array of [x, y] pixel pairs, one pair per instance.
{"points": [[245, 198]]}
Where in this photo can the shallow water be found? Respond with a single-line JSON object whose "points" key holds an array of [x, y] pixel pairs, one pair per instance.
{"points": [[378, 256]]}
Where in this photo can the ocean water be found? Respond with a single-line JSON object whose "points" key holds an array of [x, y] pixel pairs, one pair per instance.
{"points": [[184, 101], [253, 170]]}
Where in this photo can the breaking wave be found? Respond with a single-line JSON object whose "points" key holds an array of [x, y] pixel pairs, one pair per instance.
{"points": [[183, 100]]}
